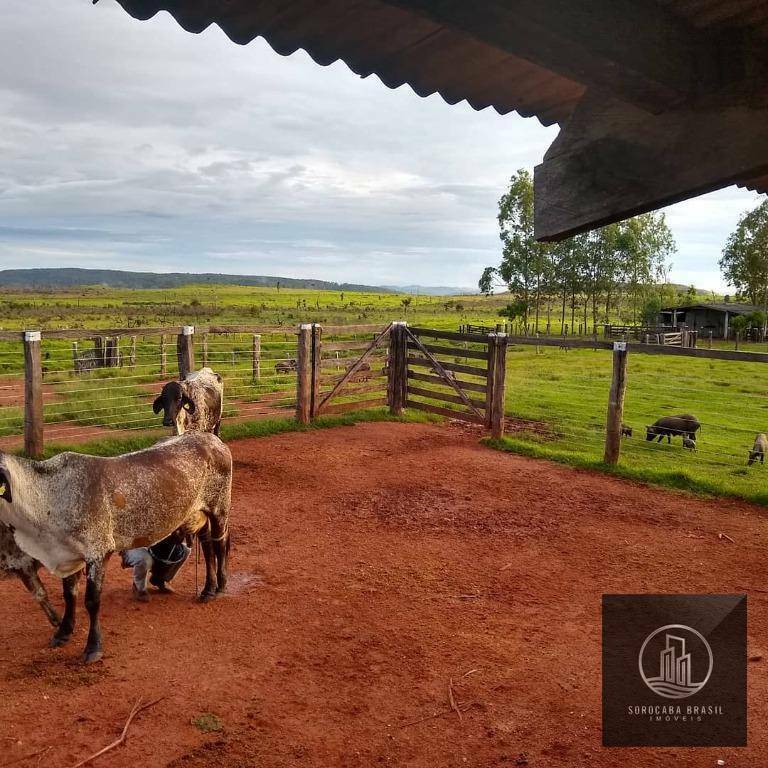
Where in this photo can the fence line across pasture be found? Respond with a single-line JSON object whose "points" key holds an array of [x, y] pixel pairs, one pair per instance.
{"points": [[312, 370]]}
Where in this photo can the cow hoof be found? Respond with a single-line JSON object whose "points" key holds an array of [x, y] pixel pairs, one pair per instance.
{"points": [[58, 640], [91, 657], [222, 588], [206, 597]]}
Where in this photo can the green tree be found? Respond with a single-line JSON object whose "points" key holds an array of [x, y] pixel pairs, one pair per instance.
{"points": [[524, 267], [744, 262]]}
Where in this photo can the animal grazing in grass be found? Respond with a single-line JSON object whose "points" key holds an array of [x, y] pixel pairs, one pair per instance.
{"points": [[72, 511], [195, 403], [14, 562], [626, 431], [363, 373], [689, 443], [684, 425], [759, 449], [286, 366]]}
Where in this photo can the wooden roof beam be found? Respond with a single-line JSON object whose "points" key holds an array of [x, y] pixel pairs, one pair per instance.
{"points": [[636, 51], [612, 161]]}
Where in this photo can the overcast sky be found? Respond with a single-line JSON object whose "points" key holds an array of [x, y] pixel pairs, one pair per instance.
{"points": [[135, 145]]}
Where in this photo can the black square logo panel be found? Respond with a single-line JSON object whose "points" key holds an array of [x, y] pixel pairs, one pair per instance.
{"points": [[674, 670]]}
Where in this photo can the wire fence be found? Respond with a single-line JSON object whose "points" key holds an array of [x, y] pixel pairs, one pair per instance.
{"points": [[556, 402], [105, 386]]}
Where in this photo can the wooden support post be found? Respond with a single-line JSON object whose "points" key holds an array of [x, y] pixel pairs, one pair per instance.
{"points": [[256, 355], [132, 357], [74, 357], [616, 404], [163, 356], [304, 374], [496, 392], [185, 350], [205, 350], [397, 379], [316, 354], [33, 396], [101, 350]]}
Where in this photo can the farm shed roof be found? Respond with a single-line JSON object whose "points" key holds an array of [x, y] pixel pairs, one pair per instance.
{"points": [[659, 100], [732, 308]]}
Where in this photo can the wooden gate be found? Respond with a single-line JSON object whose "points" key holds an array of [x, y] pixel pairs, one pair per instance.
{"points": [[346, 368], [459, 375]]}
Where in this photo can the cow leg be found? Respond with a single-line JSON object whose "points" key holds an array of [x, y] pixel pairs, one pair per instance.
{"points": [[661, 437], [220, 550], [67, 626], [209, 590], [94, 582], [31, 580]]}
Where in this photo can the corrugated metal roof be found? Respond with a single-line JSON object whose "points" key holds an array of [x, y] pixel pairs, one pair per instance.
{"points": [[399, 47], [736, 308]]}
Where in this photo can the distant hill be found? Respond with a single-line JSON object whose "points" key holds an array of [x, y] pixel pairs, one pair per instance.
{"points": [[67, 277], [431, 290]]}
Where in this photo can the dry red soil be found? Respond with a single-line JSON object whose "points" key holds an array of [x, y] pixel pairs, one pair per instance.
{"points": [[372, 565]]}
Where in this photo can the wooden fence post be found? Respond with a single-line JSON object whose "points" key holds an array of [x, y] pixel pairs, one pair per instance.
{"points": [[205, 350], [496, 384], [304, 374], [163, 356], [616, 403], [256, 355], [397, 379], [185, 350], [132, 357], [316, 357], [33, 396], [101, 350], [74, 357]]}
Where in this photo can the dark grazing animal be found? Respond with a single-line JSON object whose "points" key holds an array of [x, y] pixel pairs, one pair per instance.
{"points": [[684, 425], [363, 373], [286, 366], [195, 403], [759, 449], [14, 562], [626, 431], [72, 511]]}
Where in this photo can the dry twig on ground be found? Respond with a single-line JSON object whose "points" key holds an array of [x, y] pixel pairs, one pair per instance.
{"points": [[137, 707]]}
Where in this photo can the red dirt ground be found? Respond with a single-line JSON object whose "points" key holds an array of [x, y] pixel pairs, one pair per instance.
{"points": [[370, 566]]}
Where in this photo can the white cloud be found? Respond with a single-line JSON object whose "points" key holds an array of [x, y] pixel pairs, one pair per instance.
{"points": [[145, 147]]}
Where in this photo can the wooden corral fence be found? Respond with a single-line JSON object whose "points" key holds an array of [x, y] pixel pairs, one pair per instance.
{"points": [[458, 375], [316, 371], [663, 334]]}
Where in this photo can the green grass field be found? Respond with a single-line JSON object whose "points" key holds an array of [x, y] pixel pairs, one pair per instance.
{"points": [[556, 400]]}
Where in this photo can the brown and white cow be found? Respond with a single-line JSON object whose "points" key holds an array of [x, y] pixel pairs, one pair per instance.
{"points": [[72, 511], [195, 403]]}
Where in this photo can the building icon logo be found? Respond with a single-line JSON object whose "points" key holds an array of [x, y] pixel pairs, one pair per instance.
{"points": [[667, 650]]}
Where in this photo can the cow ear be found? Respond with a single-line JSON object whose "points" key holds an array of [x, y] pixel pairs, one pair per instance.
{"points": [[158, 406], [5, 487], [187, 404], [218, 378]]}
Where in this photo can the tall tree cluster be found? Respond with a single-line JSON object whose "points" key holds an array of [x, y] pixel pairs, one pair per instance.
{"points": [[588, 276], [744, 262]]}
